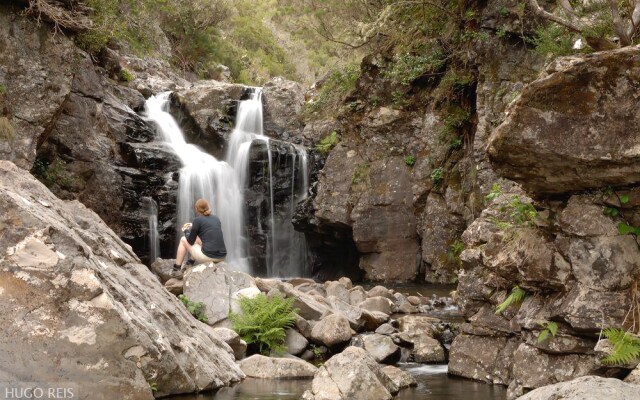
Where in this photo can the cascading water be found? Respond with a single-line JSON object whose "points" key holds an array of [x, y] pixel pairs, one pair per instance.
{"points": [[203, 176], [154, 237], [223, 183]]}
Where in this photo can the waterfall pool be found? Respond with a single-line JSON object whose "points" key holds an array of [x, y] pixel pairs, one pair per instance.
{"points": [[433, 384]]}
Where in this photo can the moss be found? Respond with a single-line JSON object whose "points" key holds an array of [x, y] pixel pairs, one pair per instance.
{"points": [[126, 76]]}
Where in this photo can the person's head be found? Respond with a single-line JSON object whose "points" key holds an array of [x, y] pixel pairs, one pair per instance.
{"points": [[202, 207]]}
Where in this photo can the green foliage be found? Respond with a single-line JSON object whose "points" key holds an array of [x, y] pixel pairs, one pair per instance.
{"points": [[263, 321], [333, 90], [626, 346], [327, 143], [453, 253], [456, 118], [153, 385], [550, 328], [496, 191], [3, 89], [53, 173], [625, 229], [611, 211], [624, 199], [519, 211], [517, 296], [408, 67], [410, 160], [553, 40], [437, 175], [197, 309], [455, 144], [399, 99], [125, 75]]}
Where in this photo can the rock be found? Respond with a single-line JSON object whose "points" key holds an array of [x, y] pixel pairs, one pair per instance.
{"points": [[259, 366], [386, 329], [591, 95], [234, 341], [353, 314], [401, 378], [295, 342], [583, 217], [346, 282], [206, 110], [380, 291], [485, 359], [308, 307], [163, 269], [380, 304], [352, 374], [634, 376], [175, 286], [585, 388], [338, 290], [532, 368], [283, 101], [303, 326], [425, 349], [414, 300], [357, 295], [382, 348], [373, 319], [249, 293], [332, 331], [384, 224], [207, 284], [85, 299]]}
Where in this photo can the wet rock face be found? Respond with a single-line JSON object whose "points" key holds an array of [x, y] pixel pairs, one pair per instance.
{"points": [[585, 388], [79, 295], [574, 129]]}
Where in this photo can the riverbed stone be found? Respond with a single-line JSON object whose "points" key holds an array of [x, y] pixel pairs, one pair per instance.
{"points": [[259, 366], [382, 348], [357, 295], [378, 303], [353, 374], [586, 388], [175, 286], [234, 341], [338, 290], [295, 342], [401, 378], [483, 358], [332, 331]]}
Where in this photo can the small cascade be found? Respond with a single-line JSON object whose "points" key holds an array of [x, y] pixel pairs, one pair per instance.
{"points": [[154, 237]]}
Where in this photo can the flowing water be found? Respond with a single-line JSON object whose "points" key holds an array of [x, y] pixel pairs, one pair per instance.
{"points": [[222, 183], [154, 237]]}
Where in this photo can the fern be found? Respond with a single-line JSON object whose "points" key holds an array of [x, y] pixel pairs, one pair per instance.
{"points": [[626, 346], [551, 328], [263, 321], [517, 296]]}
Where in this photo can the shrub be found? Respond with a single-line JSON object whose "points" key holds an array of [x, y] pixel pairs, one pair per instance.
{"points": [[333, 90], [408, 67], [410, 160], [496, 191], [195, 308], [125, 75], [453, 253], [327, 143], [263, 321], [437, 175]]}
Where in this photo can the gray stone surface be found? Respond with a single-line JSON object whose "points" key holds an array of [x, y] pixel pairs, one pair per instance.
{"points": [[586, 388], [333, 330], [259, 366]]}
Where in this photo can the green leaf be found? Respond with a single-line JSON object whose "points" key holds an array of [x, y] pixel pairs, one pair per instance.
{"points": [[543, 336], [625, 229], [517, 296], [553, 328], [626, 346], [611, 211], [624, 199]]}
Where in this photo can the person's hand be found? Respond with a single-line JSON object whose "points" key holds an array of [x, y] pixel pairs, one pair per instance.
{"points": [[186, 226]]}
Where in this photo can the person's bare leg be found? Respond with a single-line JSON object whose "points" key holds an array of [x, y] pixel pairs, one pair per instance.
{"points": [[183, 247], [198, 241]]}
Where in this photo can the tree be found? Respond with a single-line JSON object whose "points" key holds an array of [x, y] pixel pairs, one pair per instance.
{"points": [[594, 20]]}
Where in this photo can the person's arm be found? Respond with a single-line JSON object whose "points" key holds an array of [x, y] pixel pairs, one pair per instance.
{"points": [[195, 230]]}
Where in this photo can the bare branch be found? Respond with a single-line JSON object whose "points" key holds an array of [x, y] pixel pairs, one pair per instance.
{"points": [[568, 8], [635, 18], [618, 24], [74, 19], [547, 15]]}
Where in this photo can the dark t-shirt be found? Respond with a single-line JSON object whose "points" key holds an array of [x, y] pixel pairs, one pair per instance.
{"points": [[209, 229]]}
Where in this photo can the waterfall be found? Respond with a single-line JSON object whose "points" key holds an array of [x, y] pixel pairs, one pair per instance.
{"points": [[203, 176], [154, 237], [222, 183]]}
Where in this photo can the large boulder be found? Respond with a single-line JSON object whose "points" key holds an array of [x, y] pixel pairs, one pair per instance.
{"points": [[259, 366], [401, 378], [586, 388], [351, 375], [382, 348], [575, 129], [283, 101], [79, 295], [332, 331]]}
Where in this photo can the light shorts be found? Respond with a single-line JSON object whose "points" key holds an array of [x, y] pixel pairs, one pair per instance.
{"points": [[200, 257]]}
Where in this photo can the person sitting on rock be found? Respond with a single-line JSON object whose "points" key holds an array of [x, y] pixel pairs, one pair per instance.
{"points": [[202, 239]]}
